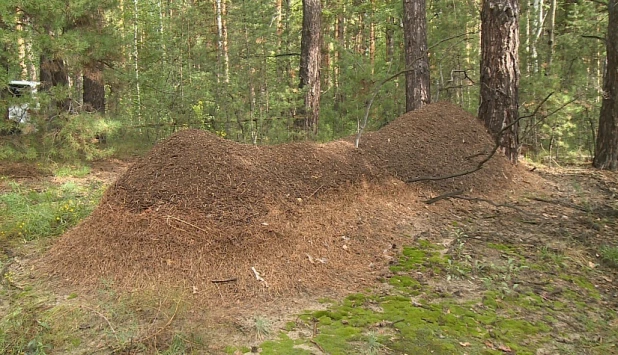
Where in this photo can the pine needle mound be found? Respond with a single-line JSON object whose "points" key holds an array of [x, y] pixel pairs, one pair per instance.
{"points": [[201, 213]]}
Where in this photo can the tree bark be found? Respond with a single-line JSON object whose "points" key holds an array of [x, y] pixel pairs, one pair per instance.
{"points": [[52, 72], [310, 59], [500, 72], [390, 39], [606, 152], [94, 89], [418, 92], [551, 33]]}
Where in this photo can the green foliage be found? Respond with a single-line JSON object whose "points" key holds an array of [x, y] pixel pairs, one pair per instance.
{"points": [[166, 67], [28, 215], [262, 327], [78, 138], [33, 327], [78, 171], [609, 255]]}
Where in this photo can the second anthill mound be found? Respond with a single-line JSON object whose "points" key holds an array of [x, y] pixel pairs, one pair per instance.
{"points": [[308, 218]]}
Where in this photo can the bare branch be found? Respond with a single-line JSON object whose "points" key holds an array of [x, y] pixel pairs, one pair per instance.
{"points": [[456, 195], [544, 117], [486, 159], [361, 126], [602, 39], [444, 196], [538, 107]]}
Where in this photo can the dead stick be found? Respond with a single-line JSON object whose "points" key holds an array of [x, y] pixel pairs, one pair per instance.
{"points": [[232, 279], [444, 196], [479, 166], [169, 321], [476, 199], [318, 345], [187, 223], [314, 192], [560, 203], [105, 318]]}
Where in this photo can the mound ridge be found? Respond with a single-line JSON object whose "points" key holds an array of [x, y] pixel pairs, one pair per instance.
{"points": [[310, 218]]}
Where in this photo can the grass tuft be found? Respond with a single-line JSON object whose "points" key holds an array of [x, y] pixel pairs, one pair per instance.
{"points": [[262, 327], [609, 255]]}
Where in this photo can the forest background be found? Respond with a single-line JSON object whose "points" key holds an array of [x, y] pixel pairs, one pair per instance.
{"points": [[123, 74]]}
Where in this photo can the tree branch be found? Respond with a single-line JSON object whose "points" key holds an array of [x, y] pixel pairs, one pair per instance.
{"points": [[456, 195], [602, 39], [487, 158], [544, 117], [538, 107], [361, 126]]}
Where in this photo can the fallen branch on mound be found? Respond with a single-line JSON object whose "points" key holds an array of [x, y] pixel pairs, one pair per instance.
{"points": [[487, 158], [456, 195], [231, 279], [444, 196]]}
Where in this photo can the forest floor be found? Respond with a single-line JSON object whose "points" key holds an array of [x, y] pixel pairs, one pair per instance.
{"points": [[355, 262]]}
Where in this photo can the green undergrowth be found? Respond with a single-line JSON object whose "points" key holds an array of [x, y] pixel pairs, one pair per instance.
{"points": [[609, 255], [28, 214], [498, 316], [39, 323], [75, 170]]}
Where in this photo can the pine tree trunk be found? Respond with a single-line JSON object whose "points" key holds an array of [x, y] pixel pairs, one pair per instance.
{"points": [[418, 91], [372, 38], [390, 40], [53, 72], [538, 31], [606, 152], [224, 58], [94, 90], [551, 32], [138, 91], [310, 54], [500, 72]]}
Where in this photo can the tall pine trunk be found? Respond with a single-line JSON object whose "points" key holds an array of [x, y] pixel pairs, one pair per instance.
{"points": [[94, 89], [418, 91], [606, 152], [53, 72], [500, 72], [310, 58]]}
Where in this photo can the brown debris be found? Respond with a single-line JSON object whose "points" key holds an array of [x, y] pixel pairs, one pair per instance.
{"points": [[306, 218]]}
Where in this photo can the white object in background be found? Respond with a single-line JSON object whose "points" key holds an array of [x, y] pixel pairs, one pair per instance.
{"points": [[21, 88]]}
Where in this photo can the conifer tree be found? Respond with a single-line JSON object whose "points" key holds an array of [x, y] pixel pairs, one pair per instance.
{"points": [[606, 153], [500, 72]]}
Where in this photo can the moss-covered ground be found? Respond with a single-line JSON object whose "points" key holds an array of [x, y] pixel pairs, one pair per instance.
{"points": [[489, 312]]}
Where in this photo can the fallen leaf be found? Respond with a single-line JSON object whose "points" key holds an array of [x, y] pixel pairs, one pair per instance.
{"points": [[466, 344], [490, 345], [591, 265]]}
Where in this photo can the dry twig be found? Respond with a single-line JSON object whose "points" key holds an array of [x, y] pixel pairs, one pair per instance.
{"points": [[231, 279], [185, 222], [105, 318]]}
